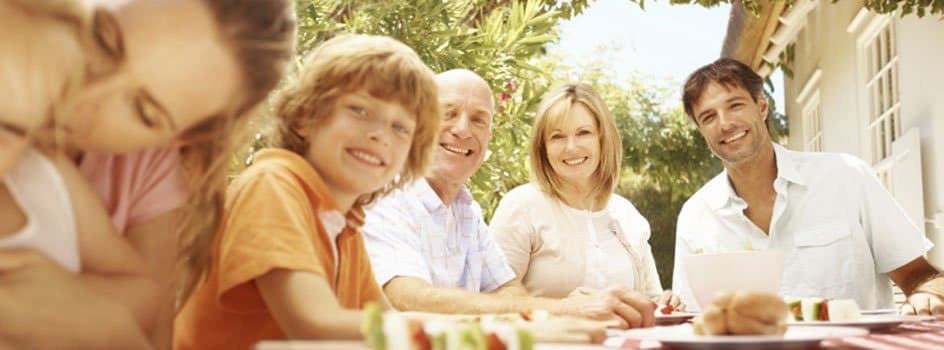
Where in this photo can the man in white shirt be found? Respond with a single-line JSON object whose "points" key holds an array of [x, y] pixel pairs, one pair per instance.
{"points": [[841, 232], [430, 247]]}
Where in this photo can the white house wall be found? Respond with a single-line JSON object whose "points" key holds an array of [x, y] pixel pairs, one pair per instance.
{"points": [[825, 44], [921, 77]]}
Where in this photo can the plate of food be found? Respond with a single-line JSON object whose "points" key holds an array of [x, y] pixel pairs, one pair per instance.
{"points": [[667, 315], [843, 313], [395, 330], [881, 312], [871, 322], [683, 337], [676, 317], [742, 319]]}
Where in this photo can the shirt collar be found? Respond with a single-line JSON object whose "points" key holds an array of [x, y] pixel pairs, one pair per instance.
{"points": [[432, 201], [721, 193], [786, 167], [354, 218]]}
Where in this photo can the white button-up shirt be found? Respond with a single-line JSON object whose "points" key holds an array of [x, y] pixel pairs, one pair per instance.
{"points": [[412, 233], [839, 229]]}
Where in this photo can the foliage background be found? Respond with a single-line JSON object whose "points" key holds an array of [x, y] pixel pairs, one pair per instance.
{"points": [[505, 42]]}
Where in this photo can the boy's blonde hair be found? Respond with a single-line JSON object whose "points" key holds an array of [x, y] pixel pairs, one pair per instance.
{"points": [[552, 111], [385, 68]]}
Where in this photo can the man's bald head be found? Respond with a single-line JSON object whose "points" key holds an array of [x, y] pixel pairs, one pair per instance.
{"points": [[467, 105], [467, 82]]}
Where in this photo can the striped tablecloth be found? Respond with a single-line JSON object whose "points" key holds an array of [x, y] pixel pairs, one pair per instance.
{"points": [[918, 335], [921, 335]]}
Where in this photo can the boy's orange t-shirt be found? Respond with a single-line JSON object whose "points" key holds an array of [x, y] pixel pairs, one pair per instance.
{"points": [[271, 222]]}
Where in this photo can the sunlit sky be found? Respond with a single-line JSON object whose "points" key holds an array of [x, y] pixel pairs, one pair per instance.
{"points": [[662, 41]]}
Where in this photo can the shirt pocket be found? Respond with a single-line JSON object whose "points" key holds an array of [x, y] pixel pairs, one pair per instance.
{"points": [[821, 263]]}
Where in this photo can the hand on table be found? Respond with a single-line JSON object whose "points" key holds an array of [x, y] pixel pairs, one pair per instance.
{"points": [[670, 299], [627, 308], [927, 299]]}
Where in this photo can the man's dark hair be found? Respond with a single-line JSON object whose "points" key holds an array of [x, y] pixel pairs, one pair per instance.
{"points": [[729, 73]]}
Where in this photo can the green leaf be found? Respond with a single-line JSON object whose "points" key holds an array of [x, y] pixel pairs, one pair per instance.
{"points": [[540, 39]]}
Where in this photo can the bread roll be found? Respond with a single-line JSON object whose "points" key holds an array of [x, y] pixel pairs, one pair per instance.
{"points": [[743, 313]]}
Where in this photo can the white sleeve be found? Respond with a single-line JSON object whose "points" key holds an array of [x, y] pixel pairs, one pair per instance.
{"points": [[512, 229], [495, 270], [894, 238], [652, 285], [392, 238]]}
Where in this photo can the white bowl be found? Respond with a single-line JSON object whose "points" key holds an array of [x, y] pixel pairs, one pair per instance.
{"points": [[756, 270]]}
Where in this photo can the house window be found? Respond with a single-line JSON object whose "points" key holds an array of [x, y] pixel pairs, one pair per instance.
{"points": [[811, 113], [813, 124], [879, 55]]}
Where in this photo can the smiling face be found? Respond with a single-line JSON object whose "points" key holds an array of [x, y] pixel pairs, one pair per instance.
{"points": [[466, 102], [731, 122], [362, 144], [573, 146], [157, 68]]}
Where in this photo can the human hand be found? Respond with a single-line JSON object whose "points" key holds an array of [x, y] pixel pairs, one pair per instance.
{"points": [[670, 299], [630, 309], [927, 299], [43, 306]]}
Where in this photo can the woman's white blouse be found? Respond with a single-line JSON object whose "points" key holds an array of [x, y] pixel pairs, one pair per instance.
{"points": [[554, 249]]}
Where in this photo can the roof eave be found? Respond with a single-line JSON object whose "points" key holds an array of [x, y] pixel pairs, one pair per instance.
{"points": [[748, 35]]}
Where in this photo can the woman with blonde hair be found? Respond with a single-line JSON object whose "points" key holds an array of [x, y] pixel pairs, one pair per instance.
{"points": [[166, 86], [171, 85], [567, 230], [67, 279]]}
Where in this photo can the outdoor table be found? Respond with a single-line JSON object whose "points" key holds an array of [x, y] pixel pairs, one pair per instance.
{"points": [[918, 335]]}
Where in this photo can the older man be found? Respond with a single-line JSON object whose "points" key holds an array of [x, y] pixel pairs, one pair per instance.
{"points": [[430, 247], [842, 234]]}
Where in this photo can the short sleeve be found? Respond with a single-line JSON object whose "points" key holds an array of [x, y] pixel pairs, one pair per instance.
{"points": [[137, 186], [495, 271], [895, 240], [511, 228], [268, 225], [392, 238], [159, 186]]}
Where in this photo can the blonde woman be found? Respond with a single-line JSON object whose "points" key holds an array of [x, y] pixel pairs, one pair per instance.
{"points": [[567, 231], [167, 83], [67, 279], [171, 82]]}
